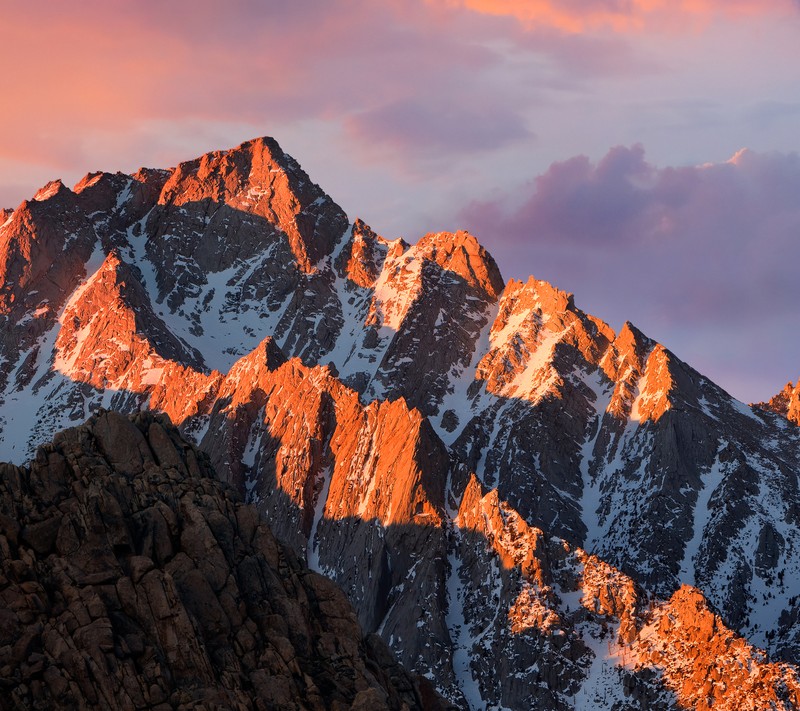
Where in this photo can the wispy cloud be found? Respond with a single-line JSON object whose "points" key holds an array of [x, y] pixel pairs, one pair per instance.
{"points": [[620, 15]]}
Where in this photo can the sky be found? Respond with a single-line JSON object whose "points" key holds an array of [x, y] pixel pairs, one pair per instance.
{"points": [[641, 154]]}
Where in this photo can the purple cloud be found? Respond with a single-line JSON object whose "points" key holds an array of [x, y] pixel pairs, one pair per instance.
{"points": [[692, 255], [440, 125]]}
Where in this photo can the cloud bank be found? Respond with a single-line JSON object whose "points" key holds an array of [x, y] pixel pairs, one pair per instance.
{"points": [[620, 15], [703, 257]]}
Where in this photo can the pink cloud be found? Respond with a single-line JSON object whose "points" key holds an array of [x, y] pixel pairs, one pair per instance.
{"points": [[97, 67], [620, 15]]}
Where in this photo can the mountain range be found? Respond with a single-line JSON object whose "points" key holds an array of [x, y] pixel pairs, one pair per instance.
{"points": [[530, 509]]}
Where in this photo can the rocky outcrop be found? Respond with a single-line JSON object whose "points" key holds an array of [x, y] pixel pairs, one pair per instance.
{"points": [[431, 301], [361, 259], [111, 338], [598, 639], [132, 578], [786, 402], [359, 490], [257, 180]]}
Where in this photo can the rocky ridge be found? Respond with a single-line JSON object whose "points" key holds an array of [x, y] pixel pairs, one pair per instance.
{"points": [[389, 375], [133, 578], [590, 623]]}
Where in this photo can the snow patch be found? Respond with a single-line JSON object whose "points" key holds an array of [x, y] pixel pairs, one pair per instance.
{"points": [[463, 642], [312, 552], [702, 514]]}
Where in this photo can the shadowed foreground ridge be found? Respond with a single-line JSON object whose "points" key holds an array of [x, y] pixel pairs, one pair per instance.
{"points": [[132, 578]]}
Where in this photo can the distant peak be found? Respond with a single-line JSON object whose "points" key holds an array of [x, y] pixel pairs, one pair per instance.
{"points": [[363, 256], [786, 402], [49, 190], [263, 144], [631, 340], [461, 253], [251, 161], [549, 298], [146, 175], [228, 173]]}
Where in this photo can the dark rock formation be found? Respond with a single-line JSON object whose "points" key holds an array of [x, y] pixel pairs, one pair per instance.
{"points": [[132, 578]]}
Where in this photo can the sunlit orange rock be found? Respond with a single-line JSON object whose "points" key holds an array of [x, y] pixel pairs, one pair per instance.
{"points": [[537, 325], [258, 178], [786, 402], [111, 338], [678, 647], [363, 256]]}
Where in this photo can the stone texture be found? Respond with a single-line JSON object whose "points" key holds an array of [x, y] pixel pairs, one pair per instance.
{"points": [[598, 640], [132, 578], [359, 490]]}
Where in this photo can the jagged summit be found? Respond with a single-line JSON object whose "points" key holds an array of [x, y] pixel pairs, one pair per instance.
{"points": [[786, 402], [51, 189], [259, 179], [461, 254], [112, 307], [361, 258]]}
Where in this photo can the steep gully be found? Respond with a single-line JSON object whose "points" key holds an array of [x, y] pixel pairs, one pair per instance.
{"points": [[604, 440]]}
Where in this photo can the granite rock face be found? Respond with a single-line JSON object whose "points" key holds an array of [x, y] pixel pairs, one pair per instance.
{"points": [[599, 640], [786, 402], [133, 578]]}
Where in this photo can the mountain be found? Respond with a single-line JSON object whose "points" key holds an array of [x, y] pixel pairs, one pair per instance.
{"points": [[527, 506], [133, 578]]}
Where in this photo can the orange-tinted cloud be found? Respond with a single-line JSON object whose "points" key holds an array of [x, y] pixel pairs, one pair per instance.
{"points": [[618, 15], [77, 73]]}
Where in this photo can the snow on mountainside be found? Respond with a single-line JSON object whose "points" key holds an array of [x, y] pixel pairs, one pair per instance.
{"points": [[369, 395]]}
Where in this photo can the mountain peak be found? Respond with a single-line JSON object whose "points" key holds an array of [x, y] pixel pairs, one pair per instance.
{"points": [[258, 179], [461, 253], [49, 190], [363, 256], [112, 307], [786, 402], [629, 351], [549, 298], [406, 368], [87, 181]]}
